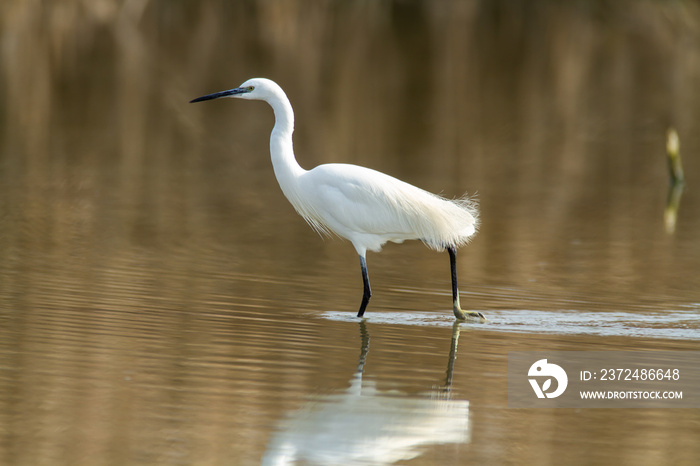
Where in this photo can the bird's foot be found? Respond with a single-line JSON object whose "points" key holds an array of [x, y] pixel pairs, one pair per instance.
{"points": [[466, 315]]}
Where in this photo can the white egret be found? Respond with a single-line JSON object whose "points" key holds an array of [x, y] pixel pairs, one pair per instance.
{"points": [[362, 205]]}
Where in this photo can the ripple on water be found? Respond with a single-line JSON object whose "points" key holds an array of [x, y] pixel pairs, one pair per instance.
{"points": [[671, 324]]}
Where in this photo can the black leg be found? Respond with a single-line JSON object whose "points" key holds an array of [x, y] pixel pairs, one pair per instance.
{"points": [[367, 290], [453, 270], [457, 309]]}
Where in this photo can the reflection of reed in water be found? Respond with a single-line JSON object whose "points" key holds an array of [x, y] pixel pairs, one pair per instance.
{"points": [[363, 425], [677, 180]]}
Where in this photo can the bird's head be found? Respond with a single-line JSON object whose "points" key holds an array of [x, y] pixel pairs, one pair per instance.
{"points": [[252, 89]]}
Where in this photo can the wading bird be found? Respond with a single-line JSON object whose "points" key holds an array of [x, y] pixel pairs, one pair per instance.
{"points": [[362, 205]]}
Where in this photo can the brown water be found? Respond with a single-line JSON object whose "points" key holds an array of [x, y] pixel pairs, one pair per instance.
{"points": [[161, 303]]}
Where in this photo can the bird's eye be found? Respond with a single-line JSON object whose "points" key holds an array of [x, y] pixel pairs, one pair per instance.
{"points": [[250, 88]]}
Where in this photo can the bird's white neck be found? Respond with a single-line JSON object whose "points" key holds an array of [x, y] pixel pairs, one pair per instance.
{"points": [[281, 148]]}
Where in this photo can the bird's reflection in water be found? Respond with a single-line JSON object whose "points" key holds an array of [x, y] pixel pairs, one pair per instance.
{"points": [[365, 426]]}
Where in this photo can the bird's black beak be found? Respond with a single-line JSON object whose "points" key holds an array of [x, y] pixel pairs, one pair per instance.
{"points": [[217, 95]]}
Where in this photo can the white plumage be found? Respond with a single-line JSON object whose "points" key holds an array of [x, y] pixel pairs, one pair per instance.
{"points": [[370, 208], [365, 206]]}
